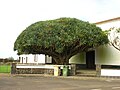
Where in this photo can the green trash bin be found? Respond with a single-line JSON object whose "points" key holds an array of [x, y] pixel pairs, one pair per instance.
{"points": [[65, 70]]}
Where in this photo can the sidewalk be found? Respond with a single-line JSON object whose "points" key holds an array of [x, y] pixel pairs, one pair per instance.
{"points": [[62, 77], [67, 77], [5, 74]]}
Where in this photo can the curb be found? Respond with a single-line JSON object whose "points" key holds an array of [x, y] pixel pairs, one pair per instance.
{"points": [[61, 77], [64, 77]]}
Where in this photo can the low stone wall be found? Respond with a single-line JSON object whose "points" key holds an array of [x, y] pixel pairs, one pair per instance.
{"points": [[34, 71], [40, 69]]}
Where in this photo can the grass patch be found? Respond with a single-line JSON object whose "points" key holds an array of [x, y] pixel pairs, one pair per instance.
{"points": [[5, 68]]}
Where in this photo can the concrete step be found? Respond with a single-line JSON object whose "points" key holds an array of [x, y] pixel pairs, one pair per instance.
{"points": [[86, 73]]}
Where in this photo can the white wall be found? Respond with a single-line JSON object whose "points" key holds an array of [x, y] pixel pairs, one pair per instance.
{"points": [[108, 55], [78, 59], [110, 72], [39, 58], [48, 59]]}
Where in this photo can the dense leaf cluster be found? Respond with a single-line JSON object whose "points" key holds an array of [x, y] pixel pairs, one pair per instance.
{"points": [[60, 38]]}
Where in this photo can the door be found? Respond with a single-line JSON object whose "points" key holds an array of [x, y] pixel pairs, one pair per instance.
{"points": [[90, 60]]}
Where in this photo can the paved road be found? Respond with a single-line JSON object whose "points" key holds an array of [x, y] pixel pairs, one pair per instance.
{"points": [[53, 83]]}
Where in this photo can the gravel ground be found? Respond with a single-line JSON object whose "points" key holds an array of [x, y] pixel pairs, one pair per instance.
{"points": [[45, 82]]}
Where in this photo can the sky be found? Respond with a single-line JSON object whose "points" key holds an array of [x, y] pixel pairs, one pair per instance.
{"points": [[16, 15]]}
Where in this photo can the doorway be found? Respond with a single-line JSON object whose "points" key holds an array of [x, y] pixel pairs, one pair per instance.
{"points": [[90, 60]]}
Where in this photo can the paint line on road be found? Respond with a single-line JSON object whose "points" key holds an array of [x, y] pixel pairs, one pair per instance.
{"points": [[115, 87], [96, 89]]}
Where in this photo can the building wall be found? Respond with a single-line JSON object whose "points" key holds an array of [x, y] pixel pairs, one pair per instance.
{"points": [[78, 59], [48, 59], [32, 58], [108, 55]]}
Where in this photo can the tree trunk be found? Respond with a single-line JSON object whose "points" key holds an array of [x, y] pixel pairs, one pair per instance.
{"points": [[61, 60]]}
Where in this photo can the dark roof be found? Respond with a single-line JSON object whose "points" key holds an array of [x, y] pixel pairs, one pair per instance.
{"points": [[109, 20]]}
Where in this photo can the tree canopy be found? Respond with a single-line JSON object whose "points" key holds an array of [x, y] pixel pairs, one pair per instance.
{"points": [[60, 38]]}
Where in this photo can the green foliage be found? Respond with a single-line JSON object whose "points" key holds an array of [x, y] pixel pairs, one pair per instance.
{"points": [[10, 58], [5, 68], [60, 38]]}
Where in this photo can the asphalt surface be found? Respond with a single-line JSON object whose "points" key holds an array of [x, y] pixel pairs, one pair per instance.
{"points": [[55, 83]]}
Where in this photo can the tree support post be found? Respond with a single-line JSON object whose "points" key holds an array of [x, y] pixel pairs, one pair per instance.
{"points": [[73, 69], [98, 70], [13, 68]]}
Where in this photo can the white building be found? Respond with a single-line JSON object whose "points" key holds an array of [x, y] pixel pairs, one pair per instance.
{"points": [[35, 59], [108, 55], [103, 55]]}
